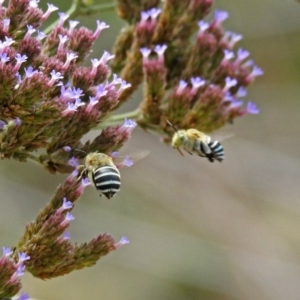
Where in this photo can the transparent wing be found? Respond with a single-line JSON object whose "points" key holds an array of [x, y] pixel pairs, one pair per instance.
{"points": [[121, 160]]}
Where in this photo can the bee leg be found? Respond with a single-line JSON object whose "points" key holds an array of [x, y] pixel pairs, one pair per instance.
{"points": [[180, 152], [81, 172], [189, 152], [210, 158]]}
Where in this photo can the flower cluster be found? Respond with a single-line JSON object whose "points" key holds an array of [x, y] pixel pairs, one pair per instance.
{"points": [[11, 270], [192, 75], [48, 244], [48, 99]]}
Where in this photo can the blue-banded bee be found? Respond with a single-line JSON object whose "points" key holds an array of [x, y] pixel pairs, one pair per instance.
{"points": [[102, 172], [197, 142]]}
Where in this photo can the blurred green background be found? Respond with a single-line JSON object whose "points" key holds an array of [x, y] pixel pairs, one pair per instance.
{"points": [[197, 230]]}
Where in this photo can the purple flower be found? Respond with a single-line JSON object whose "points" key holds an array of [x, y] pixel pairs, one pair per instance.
{"points": [[123, 241], [70, 109], [40, 35], [30, 31], [124, 85], [144, 16], [17, 121], [160, 49], [242, 92], [242, 54], [23, 257], [51, 8], [106, 57], [229, 82], [220, 16], [197, 82], [114, 154], [69, 217], [252, 108], [202, 26], [4, 58], [154, 12], [62, 40], [232, 38], [29, 72], [129, 123], [100, 27], [72, 24], [70, 56], [2, 124], [6, 251], [145, 52], [20, 59], [54, 77], [66, 235], [6, 23], [66, 204], [20, 270], [228, 54], [182, 85], [62, 18], [23, 296], [127, 161], [67, 148], [100, 91], [73, 161], [85, 182]]}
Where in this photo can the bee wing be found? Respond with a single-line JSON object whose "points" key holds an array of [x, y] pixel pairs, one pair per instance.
{"points": [[222, 135], [129, 160]]}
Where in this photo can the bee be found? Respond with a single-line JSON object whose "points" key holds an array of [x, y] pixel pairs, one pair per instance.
{"points": [[197, 142], [102, 172]]}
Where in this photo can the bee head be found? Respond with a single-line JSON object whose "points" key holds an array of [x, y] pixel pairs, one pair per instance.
{"points": [[178, 138]]}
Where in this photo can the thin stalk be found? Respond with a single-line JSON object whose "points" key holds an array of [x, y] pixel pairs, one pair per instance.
{"points": [[75, 10], [116, 119], [33, 158]]}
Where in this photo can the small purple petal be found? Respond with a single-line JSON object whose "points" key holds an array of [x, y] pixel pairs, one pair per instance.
{"points": [[160, 49], [6, 251], [2, 124], [114, 154], [69, 217], [221, 16], [154, 12], [85, 182], [145, 52], [128, 123], [17, 121], [252, 108], [128, 162], [123, 241], [228, 54], [23, 296], [73, 161], [67, 235], [67, 148], [202, 26], [23, 256], [66, 204]]}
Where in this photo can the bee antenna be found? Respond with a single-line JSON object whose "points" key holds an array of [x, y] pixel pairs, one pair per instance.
{"points": [[172, 125], [79, 150]]}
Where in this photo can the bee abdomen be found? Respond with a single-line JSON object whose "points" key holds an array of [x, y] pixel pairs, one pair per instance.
{"points": [[217, 150], [107, 180]]}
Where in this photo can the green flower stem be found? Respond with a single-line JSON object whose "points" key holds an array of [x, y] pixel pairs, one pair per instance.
{"points": [[117, 119], [78, 9]]}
